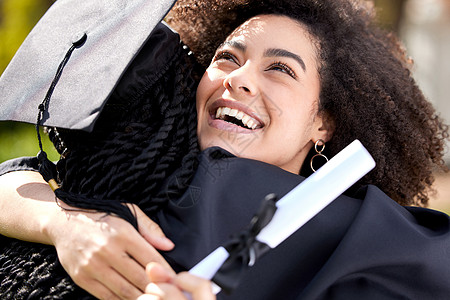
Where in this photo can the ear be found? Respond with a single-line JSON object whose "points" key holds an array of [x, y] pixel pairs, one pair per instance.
{"points": [[324, 127]]}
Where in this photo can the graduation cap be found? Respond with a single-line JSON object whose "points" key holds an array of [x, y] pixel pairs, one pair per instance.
{"points": [[74, 57], [67, 68]]}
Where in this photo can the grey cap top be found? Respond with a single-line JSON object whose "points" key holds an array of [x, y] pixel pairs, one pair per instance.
{"points": [[115, 29]]}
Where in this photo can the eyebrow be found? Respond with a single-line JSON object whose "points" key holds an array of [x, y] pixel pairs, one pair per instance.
{"points": [[272, 52], [234, 44], [284, 53]]}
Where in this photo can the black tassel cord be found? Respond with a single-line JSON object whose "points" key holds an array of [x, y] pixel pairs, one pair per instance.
{"points": [[48, 169]]}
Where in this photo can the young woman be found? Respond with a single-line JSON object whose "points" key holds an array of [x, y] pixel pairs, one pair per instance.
{"points": [[283, 76]]}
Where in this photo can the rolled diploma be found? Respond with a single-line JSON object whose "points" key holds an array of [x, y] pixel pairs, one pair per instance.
{"points": [[302, 203]]}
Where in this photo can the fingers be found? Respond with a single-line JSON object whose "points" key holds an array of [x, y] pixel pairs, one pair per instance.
{"points": [[157, 273], [142, 251], [106, 256], [160, 291], [161, 288], [168, 285], [102, 280], [132, 271], [164, 291], [148, 297], [152, 232], [199, 288], [98, 290], [119, 285], [128, 263]]}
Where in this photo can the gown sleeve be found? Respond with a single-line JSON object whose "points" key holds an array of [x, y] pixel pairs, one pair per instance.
{"points": [[19, 164]]}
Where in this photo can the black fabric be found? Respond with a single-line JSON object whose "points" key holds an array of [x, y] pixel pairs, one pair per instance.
{"points": [[19, 164], [360, 247], [244, 249], [233, 189]]}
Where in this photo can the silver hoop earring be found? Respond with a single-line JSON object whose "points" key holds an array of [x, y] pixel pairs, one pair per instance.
{"points": [[319, 143]]}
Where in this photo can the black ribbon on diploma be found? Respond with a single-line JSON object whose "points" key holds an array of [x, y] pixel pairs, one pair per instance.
{"points": [[244, 248]]}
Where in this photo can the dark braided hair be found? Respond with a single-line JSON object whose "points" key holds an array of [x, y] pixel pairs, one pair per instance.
{"points": [[367, 89], [143, 147], [142, 150], [32, 271]]}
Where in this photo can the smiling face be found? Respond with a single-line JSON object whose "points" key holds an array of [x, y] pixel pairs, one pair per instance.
{"points": [[259, 97]]}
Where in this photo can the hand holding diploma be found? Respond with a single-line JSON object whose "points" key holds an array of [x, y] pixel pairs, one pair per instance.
{"points": [[166, 284]]}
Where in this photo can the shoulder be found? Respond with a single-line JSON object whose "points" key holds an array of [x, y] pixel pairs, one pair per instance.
{"points": [[390, 252], [398, 220]]}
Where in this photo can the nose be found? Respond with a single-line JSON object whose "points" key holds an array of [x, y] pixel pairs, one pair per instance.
{"points": [[242, 80]]}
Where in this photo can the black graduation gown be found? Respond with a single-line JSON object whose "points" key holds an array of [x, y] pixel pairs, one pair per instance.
{"points": [[360, 247]]}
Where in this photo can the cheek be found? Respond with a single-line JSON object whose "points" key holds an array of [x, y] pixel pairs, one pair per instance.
{"points": [[210, 85], [202, 92], [295, 115]]}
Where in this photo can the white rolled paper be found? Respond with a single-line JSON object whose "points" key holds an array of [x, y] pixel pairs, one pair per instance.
{"points": [[302, 203], [317, 191]]}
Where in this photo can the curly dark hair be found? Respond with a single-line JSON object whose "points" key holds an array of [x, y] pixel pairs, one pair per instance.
{"points": [[366, 84]]}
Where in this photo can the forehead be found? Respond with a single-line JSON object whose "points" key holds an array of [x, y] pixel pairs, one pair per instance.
{"points": [[263, 26], [275, 31]]}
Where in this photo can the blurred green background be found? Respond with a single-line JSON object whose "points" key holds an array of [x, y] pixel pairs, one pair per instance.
{"points": [[17, 18]]}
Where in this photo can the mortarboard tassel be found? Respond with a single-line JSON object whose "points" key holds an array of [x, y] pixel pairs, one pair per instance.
{"points": [[48, 169]]}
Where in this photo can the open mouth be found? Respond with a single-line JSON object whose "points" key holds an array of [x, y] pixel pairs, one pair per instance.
{"points": [[237, 117]]}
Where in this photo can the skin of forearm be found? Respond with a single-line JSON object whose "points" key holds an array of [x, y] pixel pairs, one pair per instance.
{"points": [[27, 206]]}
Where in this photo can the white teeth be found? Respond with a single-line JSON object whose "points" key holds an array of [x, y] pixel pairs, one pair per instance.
{"points": [[218, 112], [245, 119], [248, 121], [226, 111]]}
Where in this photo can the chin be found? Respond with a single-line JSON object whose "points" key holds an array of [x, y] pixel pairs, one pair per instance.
{"points": [[236, 150]]}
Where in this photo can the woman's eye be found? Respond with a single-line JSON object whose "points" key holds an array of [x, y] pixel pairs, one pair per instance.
{"points": [[226, 56], [282, 67]]}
